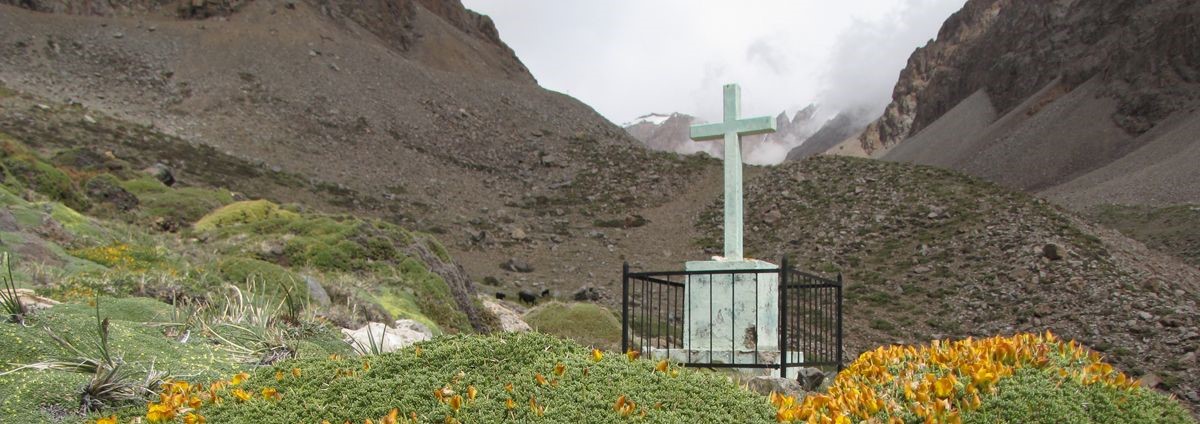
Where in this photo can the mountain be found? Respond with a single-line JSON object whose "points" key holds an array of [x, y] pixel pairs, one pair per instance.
{"points": [[843, 126], [671, 133], [417, 107], [932, 254], [1087, 102]]}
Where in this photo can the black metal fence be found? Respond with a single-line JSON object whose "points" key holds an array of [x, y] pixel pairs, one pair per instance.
{"points": [[794, 321]]}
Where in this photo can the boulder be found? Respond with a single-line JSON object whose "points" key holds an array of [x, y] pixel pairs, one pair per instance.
{"points": [[162, 173], [1052, 252], [765, 385], [386, 339], [810, 378], [510, 320], [591, 294], [106, 189], [408, 324], [316, 292], [517, 265]]}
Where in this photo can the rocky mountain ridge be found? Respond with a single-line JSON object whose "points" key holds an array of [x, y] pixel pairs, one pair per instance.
{"points": [[672, 135], [1084, 100]]}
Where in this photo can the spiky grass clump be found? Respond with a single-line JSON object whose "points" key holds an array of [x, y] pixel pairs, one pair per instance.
{"points": [[10, 301], [512, 377]]}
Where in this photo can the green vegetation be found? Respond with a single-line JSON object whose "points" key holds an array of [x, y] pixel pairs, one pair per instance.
{"points": [[586, 323], [246, 212], [356, 389], [1172, 229], [1040, 396]]}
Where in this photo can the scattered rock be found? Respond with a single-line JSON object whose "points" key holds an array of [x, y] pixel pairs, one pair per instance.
{"points": [[772, 216], [162, 173], [408, 324], [591, 294], [1150, 380], [517, 265], [33, 302], [316, 291], [491, 281], [387, 339], [810, 378], [510, 321], [766, 385], [1052, 252]]}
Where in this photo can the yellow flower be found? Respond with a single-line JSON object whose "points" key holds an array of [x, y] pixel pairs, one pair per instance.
{"points": [[392, 417], [510, 404], [559, 369], [472, 392], [661, 366], [456, 402], [944, 387], [279, 375], [597, 355], [270, 393], [541, 380], [193, 418], [632, 354], [159, 413], [238, 378], [296, 372], [241, 395], [508, 387], [109, 420]]}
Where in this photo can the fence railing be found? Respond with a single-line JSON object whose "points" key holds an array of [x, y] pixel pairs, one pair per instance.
{"points": [[772, 318]]}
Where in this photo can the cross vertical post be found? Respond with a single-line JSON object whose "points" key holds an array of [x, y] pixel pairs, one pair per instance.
{"points": [[731, 129]]}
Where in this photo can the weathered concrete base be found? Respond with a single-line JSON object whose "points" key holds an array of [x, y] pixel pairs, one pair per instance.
{"points": [[722, 314], [683, 356]]}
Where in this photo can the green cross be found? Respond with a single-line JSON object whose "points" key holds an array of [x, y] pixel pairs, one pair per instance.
{"points": [[732, 130]]}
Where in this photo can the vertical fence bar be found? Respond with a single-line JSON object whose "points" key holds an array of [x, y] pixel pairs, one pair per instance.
{"points": [[625, 307], [839, 322], [783, 347], [732, 318]]}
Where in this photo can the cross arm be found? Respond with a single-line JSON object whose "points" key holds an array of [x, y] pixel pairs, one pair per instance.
{"points": [[747, 126]]}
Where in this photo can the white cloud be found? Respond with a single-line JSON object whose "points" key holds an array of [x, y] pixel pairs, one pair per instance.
{"points": [[626, 58]]}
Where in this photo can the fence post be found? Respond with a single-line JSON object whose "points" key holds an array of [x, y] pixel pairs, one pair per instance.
{"points": [[625, 307], [783, 348], [839, 322]]}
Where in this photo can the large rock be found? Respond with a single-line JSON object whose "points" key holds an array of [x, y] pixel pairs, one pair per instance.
{"points": [[517, 265], [378, 336], [510, 320], [810, 378], [766, 385], [316, 292]]}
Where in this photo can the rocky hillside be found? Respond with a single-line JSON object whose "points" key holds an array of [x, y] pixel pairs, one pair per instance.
{"points": [[414, 106], [1088, 101], [929, 253], [672, 135], [843, 126]]}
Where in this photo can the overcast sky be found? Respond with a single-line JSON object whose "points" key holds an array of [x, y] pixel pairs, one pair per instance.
{"points": [[626, 58]]}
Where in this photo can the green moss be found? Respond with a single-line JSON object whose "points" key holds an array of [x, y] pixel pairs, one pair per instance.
{"points": [[401, 304], [179, 207], [437, 249], [405, 380], [46, 179], [271, 278], [244, 212], [145, 185], [586, 323], [431, 294], [1034, 395]]}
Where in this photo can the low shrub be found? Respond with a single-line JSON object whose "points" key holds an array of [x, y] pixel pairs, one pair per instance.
{"points": [[586, 323], [244, 212], [511, 377], [1020, 379]]}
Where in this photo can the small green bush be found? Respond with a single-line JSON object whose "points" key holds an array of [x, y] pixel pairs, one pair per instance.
{"points": [[244, 212], [586, 323], [347, 389]]}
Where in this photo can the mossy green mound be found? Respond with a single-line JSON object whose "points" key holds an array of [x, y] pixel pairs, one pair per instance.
{"points": [[244, 212], [586, 323], [1040, 396], [344, 389]]}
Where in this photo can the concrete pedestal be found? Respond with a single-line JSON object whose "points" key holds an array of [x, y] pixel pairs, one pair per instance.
{"points": [[731, 312]]}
